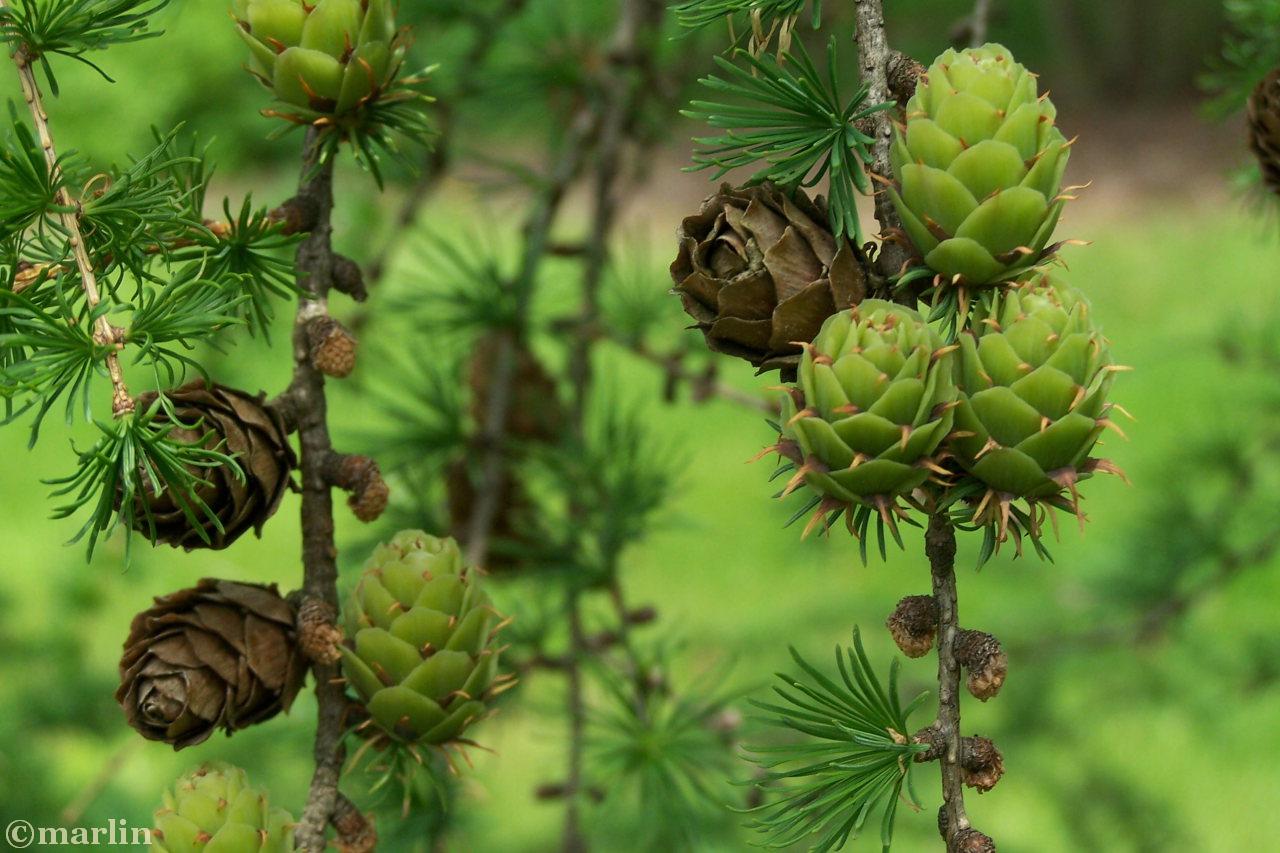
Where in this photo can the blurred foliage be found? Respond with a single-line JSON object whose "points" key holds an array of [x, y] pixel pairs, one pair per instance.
{"points": [[724, 574]]}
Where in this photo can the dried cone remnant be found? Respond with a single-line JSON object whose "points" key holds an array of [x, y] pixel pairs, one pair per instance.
{"points": [[221, 655], [978, 168], [215, 810], [873, 404], [423, 657], [966, 840], [981, 763], [914, 625], [328, 58], [1264, 128], [971, 841], [760, 271], [984, 658], [239, 425], [1035, 375]]}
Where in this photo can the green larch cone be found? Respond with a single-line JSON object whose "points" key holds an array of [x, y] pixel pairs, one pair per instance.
{"points": [[422, 655], [1035, 374], [978, 168], [328, 58], [215, 810], [873, 403]]}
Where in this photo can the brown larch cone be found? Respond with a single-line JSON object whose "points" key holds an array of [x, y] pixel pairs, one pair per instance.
{"points": [[1264, 128], [760, 271], [984, 658], [221, 655], [239, 425]]}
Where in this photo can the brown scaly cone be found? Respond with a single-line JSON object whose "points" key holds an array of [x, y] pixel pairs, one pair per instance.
{"points": [[760, 271], [220, 655], [1264, 128], [235, 423], [535, 416]]}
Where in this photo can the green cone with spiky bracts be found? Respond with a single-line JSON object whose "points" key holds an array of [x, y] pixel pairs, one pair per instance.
{"points": [[1035, 374], [215, 810], [326, 58], [873, 403], [978, 168], [422, 655]]}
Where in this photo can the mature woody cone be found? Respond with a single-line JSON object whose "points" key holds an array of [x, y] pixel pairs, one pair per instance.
{"points": [[221, 655], [241, 426], [760, 271], [1264, 128]]}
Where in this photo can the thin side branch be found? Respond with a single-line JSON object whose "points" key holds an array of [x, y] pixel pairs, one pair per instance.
{"points": [[878, 63], [122, 403]]}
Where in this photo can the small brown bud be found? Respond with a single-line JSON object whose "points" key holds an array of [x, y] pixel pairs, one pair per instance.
{"points": [[299, 215], [318, 636], [982, 655], [362, 477], [914, 625], [904, 75], [932, 737], [971, 841], [333, 348], [349, 279], [981, 763]]}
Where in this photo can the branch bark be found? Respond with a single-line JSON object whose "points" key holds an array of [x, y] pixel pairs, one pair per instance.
{"points": [[940, 547], [875, 59], [306, 394]]}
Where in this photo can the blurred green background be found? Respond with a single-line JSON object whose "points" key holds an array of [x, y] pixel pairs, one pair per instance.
{"points": [[1165, 743]]}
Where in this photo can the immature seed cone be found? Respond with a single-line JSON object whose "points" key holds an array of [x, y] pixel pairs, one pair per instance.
{"points": [[423, 658], [221, 655], [215, 810], [1264, 128], [760, 271], [241, 426], [872, 406], [1035, 375], [328, 58], [978, 169]]}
